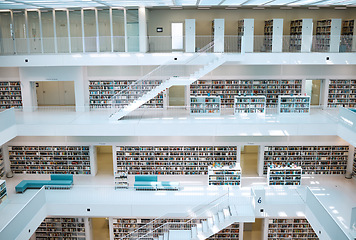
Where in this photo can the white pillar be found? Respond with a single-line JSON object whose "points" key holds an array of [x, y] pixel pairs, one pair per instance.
{"points": [[219, 31], [142, 26], [97, 31], [350, 160], [111, 228], [277, 37], [81, 88], [265, 228], [249, 32], [190, 35], [41, 33], [260, 161], [28, 93], [335, 35], [125, 27], [27, 33], [111, 31], [68, 28], [241, 230], [83, 33], [307, 35], [54, 31]]}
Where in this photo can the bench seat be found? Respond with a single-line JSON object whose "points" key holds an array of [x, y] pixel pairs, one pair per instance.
{"points": [[149, 182], [58, 181]]}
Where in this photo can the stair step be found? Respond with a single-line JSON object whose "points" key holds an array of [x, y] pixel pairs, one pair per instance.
{"points": [[165, 236], [233, 210], [226, 212], [216, 219], [221, 217], [199, 227], [160, 237], [194, 232], [210, 222], [205, 226], [179, 235]]}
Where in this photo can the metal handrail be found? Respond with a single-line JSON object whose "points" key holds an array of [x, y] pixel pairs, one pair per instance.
{"points": [[191, 219], [169, 214]]}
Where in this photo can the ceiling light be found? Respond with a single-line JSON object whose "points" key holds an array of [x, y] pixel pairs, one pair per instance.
{"points": [[4, 10], [340, 8], [258, 8], [231, 8]]}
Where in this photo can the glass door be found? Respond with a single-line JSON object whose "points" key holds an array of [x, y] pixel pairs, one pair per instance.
{"points": [[177, 36]]}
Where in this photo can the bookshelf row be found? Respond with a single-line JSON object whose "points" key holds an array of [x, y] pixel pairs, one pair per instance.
{"points": [[3, 191], [249, 104], [342, 92], [61, 228], [10, 94], [227, 175], [354, 165], [229, 233], [149, 226], [50, 159], [293, 104], [312, 159], [173, 160], [284, 175], [229, 89], [209, 105], [292, 229], [121, 180], [2, 164], [101, 92]]}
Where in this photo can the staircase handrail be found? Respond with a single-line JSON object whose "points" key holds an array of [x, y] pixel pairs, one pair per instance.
{"points": [[169, 214], [165, 65], [191, 219]]}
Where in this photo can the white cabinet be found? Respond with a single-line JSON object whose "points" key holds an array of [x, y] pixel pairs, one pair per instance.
{"points": [[293, 104], [205, 105], [10, 94], [121, 180], [284, 175], [250, 104], [226, 175]]}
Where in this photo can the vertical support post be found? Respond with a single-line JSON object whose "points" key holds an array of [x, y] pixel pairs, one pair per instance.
{"points": [[335, 35], [260, 161], [111, 31], [97, 31], [277, 36], [41, 33], [68, 27], [307, 35], [83, 33], [189, 35], [142, 26], [27, 33], [125, 26], [54, 31], [248, 37], [219, 32], [111, 228], [12, 30], [350, 161]]}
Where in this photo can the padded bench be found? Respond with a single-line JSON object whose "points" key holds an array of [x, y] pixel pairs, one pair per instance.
{"points": [[149, 182], [58, 181]]}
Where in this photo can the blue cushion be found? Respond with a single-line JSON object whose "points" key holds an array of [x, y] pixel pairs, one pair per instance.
{"points": [[146, 178], [62, 177], [139, 183], [24, 184]]}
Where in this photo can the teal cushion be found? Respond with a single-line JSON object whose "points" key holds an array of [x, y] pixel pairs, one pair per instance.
{"points": [[145, 184], [167, 183], [146, 178], [62, 177]]}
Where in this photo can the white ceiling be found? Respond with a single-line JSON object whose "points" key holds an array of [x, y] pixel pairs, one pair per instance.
{"points": [[31, 4]]}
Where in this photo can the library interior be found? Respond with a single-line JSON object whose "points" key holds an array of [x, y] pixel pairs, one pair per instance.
{"points": [[177, 120]]}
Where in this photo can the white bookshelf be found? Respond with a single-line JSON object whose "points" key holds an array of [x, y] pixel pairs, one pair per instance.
{"points": [[226, 175], [354, 165], [290, 228], [231, 232], [101, 92], [250, 104], [173, 160], [347, 34], [201, 105], [49, 159], [323, 32], [3, 192], [2, 164], [268, 34], [312, 159], [293, 104], [284, 175], [10, 94], [121, 180], [342, 93], [228, 89], [61, 228]]}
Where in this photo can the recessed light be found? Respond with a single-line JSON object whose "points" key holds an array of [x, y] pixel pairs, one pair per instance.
{"points": [[231, 8], [340, 8]]}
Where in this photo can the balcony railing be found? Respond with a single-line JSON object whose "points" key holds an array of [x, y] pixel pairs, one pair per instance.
{"points": [[156, 44]]}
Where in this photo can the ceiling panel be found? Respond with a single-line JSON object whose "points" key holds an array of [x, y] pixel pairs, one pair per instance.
{"points": [[209, 2], [233, 2], [256, 2], [280, 2]]}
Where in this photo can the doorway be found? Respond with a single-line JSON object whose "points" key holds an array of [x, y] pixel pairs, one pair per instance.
{"points": [[249, 160], [253, 231], [100, 228], [312, 89], [104, 159], [177, 36], [133, 44], [55, 93], [177, 96]]}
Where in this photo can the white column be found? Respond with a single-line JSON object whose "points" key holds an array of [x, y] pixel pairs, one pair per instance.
{"points": [[54, 31], [68, 28], [325, 93], [190, 35], [142, 28], [350, 160], [125, 28], [335, 35], [277, 37], [307, 35], [41, 33], [81, 88], [249, 32], [241, 230], [93, 160], [111, 229], [219, 31], [97, 31], [88, 228], [265, 228], [304, 83], [27, 33], [12, 29], [260, 161], [83, 33], [111, 31]]}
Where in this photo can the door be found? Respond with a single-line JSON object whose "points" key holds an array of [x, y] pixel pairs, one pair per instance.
{"points": [[132, 37], [177, 36], [312, 89]]}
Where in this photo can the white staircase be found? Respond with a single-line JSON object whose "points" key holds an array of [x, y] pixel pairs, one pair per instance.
{"points": [[213, 224], [147, 94]]}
